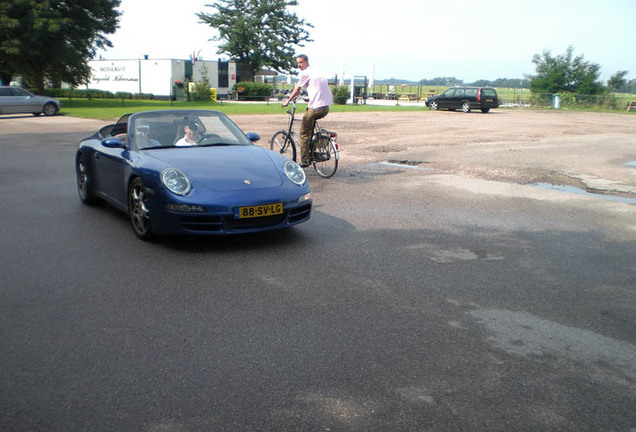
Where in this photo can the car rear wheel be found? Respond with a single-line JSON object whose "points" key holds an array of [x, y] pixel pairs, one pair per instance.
{"points": [[49, 109], [485, 110], [433, 105], [466, 107], [84, 183], [138, 210], [326, 159]]}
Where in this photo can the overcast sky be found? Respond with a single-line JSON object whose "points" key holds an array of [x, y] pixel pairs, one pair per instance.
{"points": [[408, 39]]}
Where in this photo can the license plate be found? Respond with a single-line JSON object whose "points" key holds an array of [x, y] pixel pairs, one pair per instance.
{"points": [[489, 100], [259, 211]]}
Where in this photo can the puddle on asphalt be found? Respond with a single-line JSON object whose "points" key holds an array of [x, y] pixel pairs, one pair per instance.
{"points": [[406, 164], [577, 191]]}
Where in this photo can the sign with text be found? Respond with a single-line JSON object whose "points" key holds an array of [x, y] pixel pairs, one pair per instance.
{"points": [[116, 76]]}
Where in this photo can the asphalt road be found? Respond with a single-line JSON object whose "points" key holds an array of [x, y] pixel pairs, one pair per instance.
{"points": [[409, 302]]}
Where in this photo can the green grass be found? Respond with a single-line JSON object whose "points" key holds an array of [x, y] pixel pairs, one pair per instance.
{"points": [[112, 109]]}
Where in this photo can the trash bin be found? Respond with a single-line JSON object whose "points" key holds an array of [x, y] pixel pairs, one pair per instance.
{"points": [[556, 101]]}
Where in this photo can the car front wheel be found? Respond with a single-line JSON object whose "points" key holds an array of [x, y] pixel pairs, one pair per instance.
{"points": [[433, 105], [49, 109], [138, 210]]}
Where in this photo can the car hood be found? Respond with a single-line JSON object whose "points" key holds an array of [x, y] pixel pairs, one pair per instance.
{"points": [[222, 168]]}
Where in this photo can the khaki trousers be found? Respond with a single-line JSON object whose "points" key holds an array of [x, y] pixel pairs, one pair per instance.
{"points": [[307, 127]]}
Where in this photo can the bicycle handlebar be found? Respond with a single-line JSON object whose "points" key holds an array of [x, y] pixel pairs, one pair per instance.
{"points": [[291, 102]]}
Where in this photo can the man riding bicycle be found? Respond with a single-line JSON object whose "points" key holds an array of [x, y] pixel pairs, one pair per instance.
{"points": [[320, 98]]}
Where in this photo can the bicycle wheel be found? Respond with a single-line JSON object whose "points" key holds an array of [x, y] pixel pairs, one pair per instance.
{"points": [[326, 159], [283, 143]]}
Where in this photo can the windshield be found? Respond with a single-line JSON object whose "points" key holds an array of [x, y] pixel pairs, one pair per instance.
{"points": [[184, 128]]}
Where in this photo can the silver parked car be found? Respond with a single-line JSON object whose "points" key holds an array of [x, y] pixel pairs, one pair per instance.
{"points": [[16, 100]]}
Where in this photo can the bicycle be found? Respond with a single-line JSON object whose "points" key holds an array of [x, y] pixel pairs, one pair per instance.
{"points": [[323, 149]]}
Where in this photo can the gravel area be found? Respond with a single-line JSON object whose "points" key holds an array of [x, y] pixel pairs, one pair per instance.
{"points": [[592, 151]]}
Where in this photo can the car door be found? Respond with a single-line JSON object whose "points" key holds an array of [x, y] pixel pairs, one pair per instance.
{"points": [[25, 102], [456, 100], [111, 163], [446, 99], [471, 96], [7, 101]]}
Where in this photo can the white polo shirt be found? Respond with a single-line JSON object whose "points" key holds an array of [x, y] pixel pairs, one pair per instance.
{"points": [[317, 88]]}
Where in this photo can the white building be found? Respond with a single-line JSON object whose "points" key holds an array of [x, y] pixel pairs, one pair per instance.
{"points": [[161, 78]]}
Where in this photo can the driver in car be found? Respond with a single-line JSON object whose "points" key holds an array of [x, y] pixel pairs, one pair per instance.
{"points": [[191, 137]]}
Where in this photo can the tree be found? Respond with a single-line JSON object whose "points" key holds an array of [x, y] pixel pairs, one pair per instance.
{"points": [[503, 82], [565, 74], [441, 81], [617, 82], [258, 33], [53, 39]]}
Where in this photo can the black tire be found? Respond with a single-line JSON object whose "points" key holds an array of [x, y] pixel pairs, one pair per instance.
{"points": [[327, 162], [284, 144], [466, 107], [138, 210], [84, 182], [49, 109], [485, 110], [433, 105]]}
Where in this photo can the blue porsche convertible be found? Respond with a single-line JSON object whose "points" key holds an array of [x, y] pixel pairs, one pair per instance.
{"points": [[190, 172]]}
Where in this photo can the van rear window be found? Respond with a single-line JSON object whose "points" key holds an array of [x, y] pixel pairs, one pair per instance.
{"points": [[489, 92]]}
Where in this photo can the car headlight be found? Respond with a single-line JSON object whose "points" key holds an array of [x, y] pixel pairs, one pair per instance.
{"points": [[176, 181], [294, 172]]}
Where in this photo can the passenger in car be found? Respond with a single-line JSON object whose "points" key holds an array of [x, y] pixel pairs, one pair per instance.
{"points": [[142, 136]]}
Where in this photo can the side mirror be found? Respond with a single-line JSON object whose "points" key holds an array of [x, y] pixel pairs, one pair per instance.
{"points": [[114, 143], [253, 136]]}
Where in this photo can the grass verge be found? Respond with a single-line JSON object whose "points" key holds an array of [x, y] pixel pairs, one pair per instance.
{"points": [[112, 109]]}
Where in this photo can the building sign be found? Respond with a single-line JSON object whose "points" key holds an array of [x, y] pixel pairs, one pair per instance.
{"points": [[115, 76], [114, 73], [156, 76]]}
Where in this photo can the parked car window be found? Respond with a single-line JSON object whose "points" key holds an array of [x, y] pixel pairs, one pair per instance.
{"points": [[471, 92], [20, 92], [459, 92], [489, 92]]}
